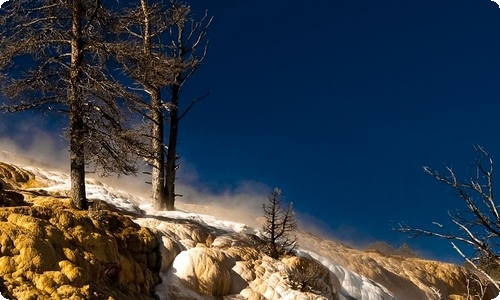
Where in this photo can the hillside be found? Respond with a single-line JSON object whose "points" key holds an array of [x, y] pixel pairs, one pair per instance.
{"points": [[122, 249]]}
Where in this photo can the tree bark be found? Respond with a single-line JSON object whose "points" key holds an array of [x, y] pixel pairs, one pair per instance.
{"points": [[157, 118], [171, 166], [76, 126], [158, 145]]}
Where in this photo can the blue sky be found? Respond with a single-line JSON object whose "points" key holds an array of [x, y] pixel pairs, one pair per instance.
{"points": [[341, 103]]}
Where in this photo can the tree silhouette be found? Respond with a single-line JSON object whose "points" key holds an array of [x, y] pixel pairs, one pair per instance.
{"points": [[161, 49], [478, 225], [279, 223], [53, 60]]}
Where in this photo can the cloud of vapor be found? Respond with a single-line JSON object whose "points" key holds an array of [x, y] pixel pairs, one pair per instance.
{"points": [[242, 203], [25, 143]]}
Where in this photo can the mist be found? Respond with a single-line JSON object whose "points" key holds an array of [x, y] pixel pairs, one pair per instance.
{"points": [[241, 202], [26, 144]]}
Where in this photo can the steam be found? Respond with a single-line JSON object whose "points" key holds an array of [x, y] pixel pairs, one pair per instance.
{"points": [[26, 144]]}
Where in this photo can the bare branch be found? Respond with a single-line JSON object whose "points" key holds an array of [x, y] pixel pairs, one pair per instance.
{"points": [[492, 281], [193, 103], [478, 226]]}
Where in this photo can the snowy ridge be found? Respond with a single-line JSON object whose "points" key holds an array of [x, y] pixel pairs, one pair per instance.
{"points": [[354, 286], [95, 190]]}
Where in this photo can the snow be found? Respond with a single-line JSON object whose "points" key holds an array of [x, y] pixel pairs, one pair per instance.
{"points": [[95, 190], [199, 218], [354, 286]]}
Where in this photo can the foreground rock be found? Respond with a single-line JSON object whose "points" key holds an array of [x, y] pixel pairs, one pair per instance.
{"points": [[50, 251]]}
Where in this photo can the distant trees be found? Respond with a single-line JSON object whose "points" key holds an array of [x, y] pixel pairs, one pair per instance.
{"points": [[55, 57], [278, 225], [160, 48], [478, 225], [53, 60]]}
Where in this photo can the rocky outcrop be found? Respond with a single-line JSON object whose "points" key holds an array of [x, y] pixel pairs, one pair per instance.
{"points": [[217, 264], [50, 251], [12, 176], [407, 278]]}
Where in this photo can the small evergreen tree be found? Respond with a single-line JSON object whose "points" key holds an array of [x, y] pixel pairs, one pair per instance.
{"points": [[279, 223]]}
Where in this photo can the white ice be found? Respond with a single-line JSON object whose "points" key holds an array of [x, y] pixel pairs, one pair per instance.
{"points": [[353, 285]]}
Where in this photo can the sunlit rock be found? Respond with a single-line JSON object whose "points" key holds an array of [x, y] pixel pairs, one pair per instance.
{"points": [[50, 251], [203, 270], [53, 251]]}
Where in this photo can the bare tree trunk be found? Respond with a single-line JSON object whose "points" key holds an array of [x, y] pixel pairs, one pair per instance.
{"points": [[157, 118], [162, 65], [65, 44], [158, 145], [76, 126], [171, 166]]}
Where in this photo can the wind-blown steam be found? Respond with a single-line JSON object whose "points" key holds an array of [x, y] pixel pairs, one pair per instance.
{"points": [[26, 144]]}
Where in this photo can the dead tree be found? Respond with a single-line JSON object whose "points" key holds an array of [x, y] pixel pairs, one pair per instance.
{"points": [[162, 48], [53, 60], [478, 225], [278, 225]]}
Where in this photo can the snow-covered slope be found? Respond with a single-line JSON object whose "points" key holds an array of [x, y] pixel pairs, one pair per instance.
{"points": [[205, 257], [354, 286]]}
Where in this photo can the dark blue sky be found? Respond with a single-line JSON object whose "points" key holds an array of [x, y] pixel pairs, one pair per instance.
{"points": [[341, 103]]}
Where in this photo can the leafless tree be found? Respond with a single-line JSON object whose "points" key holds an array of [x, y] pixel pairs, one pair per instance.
{"points": [[161, 49], [477, 288], [478, 225], [52, 59], [278, 225]]}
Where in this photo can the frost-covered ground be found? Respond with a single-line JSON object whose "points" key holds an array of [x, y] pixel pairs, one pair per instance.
{"points": [[354, 286]]}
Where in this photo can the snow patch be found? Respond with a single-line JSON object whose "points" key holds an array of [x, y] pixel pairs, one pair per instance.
{"points": [[354, 286], [95, 190]]}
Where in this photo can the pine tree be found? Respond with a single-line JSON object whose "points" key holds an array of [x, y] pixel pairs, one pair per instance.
{"points": [[279, 223]]}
